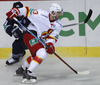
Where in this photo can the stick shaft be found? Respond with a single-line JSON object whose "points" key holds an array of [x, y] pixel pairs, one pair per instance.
{"points": [[85, 21], [73, 24], [65, 63]]}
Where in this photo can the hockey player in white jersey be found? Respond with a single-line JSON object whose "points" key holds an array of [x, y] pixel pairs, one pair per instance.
{"points": [[45, 25]]}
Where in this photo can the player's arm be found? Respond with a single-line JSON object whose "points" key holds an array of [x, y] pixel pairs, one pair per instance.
{"points": [[50, 41], [52, 38], [14, 12], [53, 34], [8, 26], [11, 29]]}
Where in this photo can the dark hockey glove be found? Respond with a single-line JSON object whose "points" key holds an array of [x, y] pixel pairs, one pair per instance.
{"points": [[17, 33], [17, 4], [50, 48]]}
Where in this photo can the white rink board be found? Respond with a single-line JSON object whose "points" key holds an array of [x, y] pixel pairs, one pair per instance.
{"points": [[92, 37]]}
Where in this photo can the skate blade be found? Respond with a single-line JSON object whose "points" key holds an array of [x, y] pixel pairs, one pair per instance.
{"points": [[27, 81]]}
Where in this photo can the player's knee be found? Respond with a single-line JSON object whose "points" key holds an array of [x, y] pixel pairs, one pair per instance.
{"points": [[15, 43], [42, 53]]}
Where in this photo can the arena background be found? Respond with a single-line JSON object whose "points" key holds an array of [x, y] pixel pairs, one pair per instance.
{"points": [[80, 40]]}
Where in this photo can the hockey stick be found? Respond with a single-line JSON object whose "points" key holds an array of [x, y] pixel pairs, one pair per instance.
{"points": [[85, 21], [82, 73]]}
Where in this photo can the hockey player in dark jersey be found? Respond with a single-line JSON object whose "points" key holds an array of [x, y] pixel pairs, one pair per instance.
{"points": [[12, 29]]}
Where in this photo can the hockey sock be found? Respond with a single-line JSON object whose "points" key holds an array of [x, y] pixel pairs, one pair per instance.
{"points": [[35, 63], [27, 62]]}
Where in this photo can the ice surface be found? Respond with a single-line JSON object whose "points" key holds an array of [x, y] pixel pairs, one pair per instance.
{"points": [[53, 72]]}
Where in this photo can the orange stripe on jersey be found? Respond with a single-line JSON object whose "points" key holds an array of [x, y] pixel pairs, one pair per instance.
{"points": [[38, 59], [27, 11]]}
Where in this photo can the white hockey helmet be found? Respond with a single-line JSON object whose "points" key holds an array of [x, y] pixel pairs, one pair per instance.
{"points": [[56, 8]]}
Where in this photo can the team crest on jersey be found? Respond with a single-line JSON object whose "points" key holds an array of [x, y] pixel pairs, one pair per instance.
{"points": [[35, 11]]}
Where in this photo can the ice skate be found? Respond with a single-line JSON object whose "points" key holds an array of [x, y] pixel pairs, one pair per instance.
{"points": [[14, 60], [20, 71], [28, 77]]}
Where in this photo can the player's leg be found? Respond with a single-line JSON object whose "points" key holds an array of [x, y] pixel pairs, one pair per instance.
{"points": [[21, 69], [18, 51], [28, 60], [38, 55], [32, 64]]}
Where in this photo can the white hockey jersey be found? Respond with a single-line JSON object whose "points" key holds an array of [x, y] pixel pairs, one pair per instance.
{"points": [[40, 22]]}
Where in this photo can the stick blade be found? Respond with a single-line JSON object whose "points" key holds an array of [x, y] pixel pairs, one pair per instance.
{"points": [[89, 15], [84, 73]]}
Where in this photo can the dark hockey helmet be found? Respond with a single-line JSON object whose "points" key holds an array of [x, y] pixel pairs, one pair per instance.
{"points": [[17, 4]]}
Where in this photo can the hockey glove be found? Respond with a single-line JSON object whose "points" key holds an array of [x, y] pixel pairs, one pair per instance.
{"points": [[16, 32], [13, 13], [50, 48]]}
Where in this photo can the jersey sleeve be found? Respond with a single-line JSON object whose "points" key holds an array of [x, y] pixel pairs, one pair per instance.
{"points": [[8, 26], [53, 37], [24, 11]]}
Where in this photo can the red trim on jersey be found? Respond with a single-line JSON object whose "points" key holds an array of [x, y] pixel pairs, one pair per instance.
{"points": [[28, 60], [50, 31], [49, 17], [44, 33], [38, 59]]}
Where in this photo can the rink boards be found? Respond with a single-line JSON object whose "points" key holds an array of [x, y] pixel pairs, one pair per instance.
{"points": [[62, 51], [80, 40]]}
